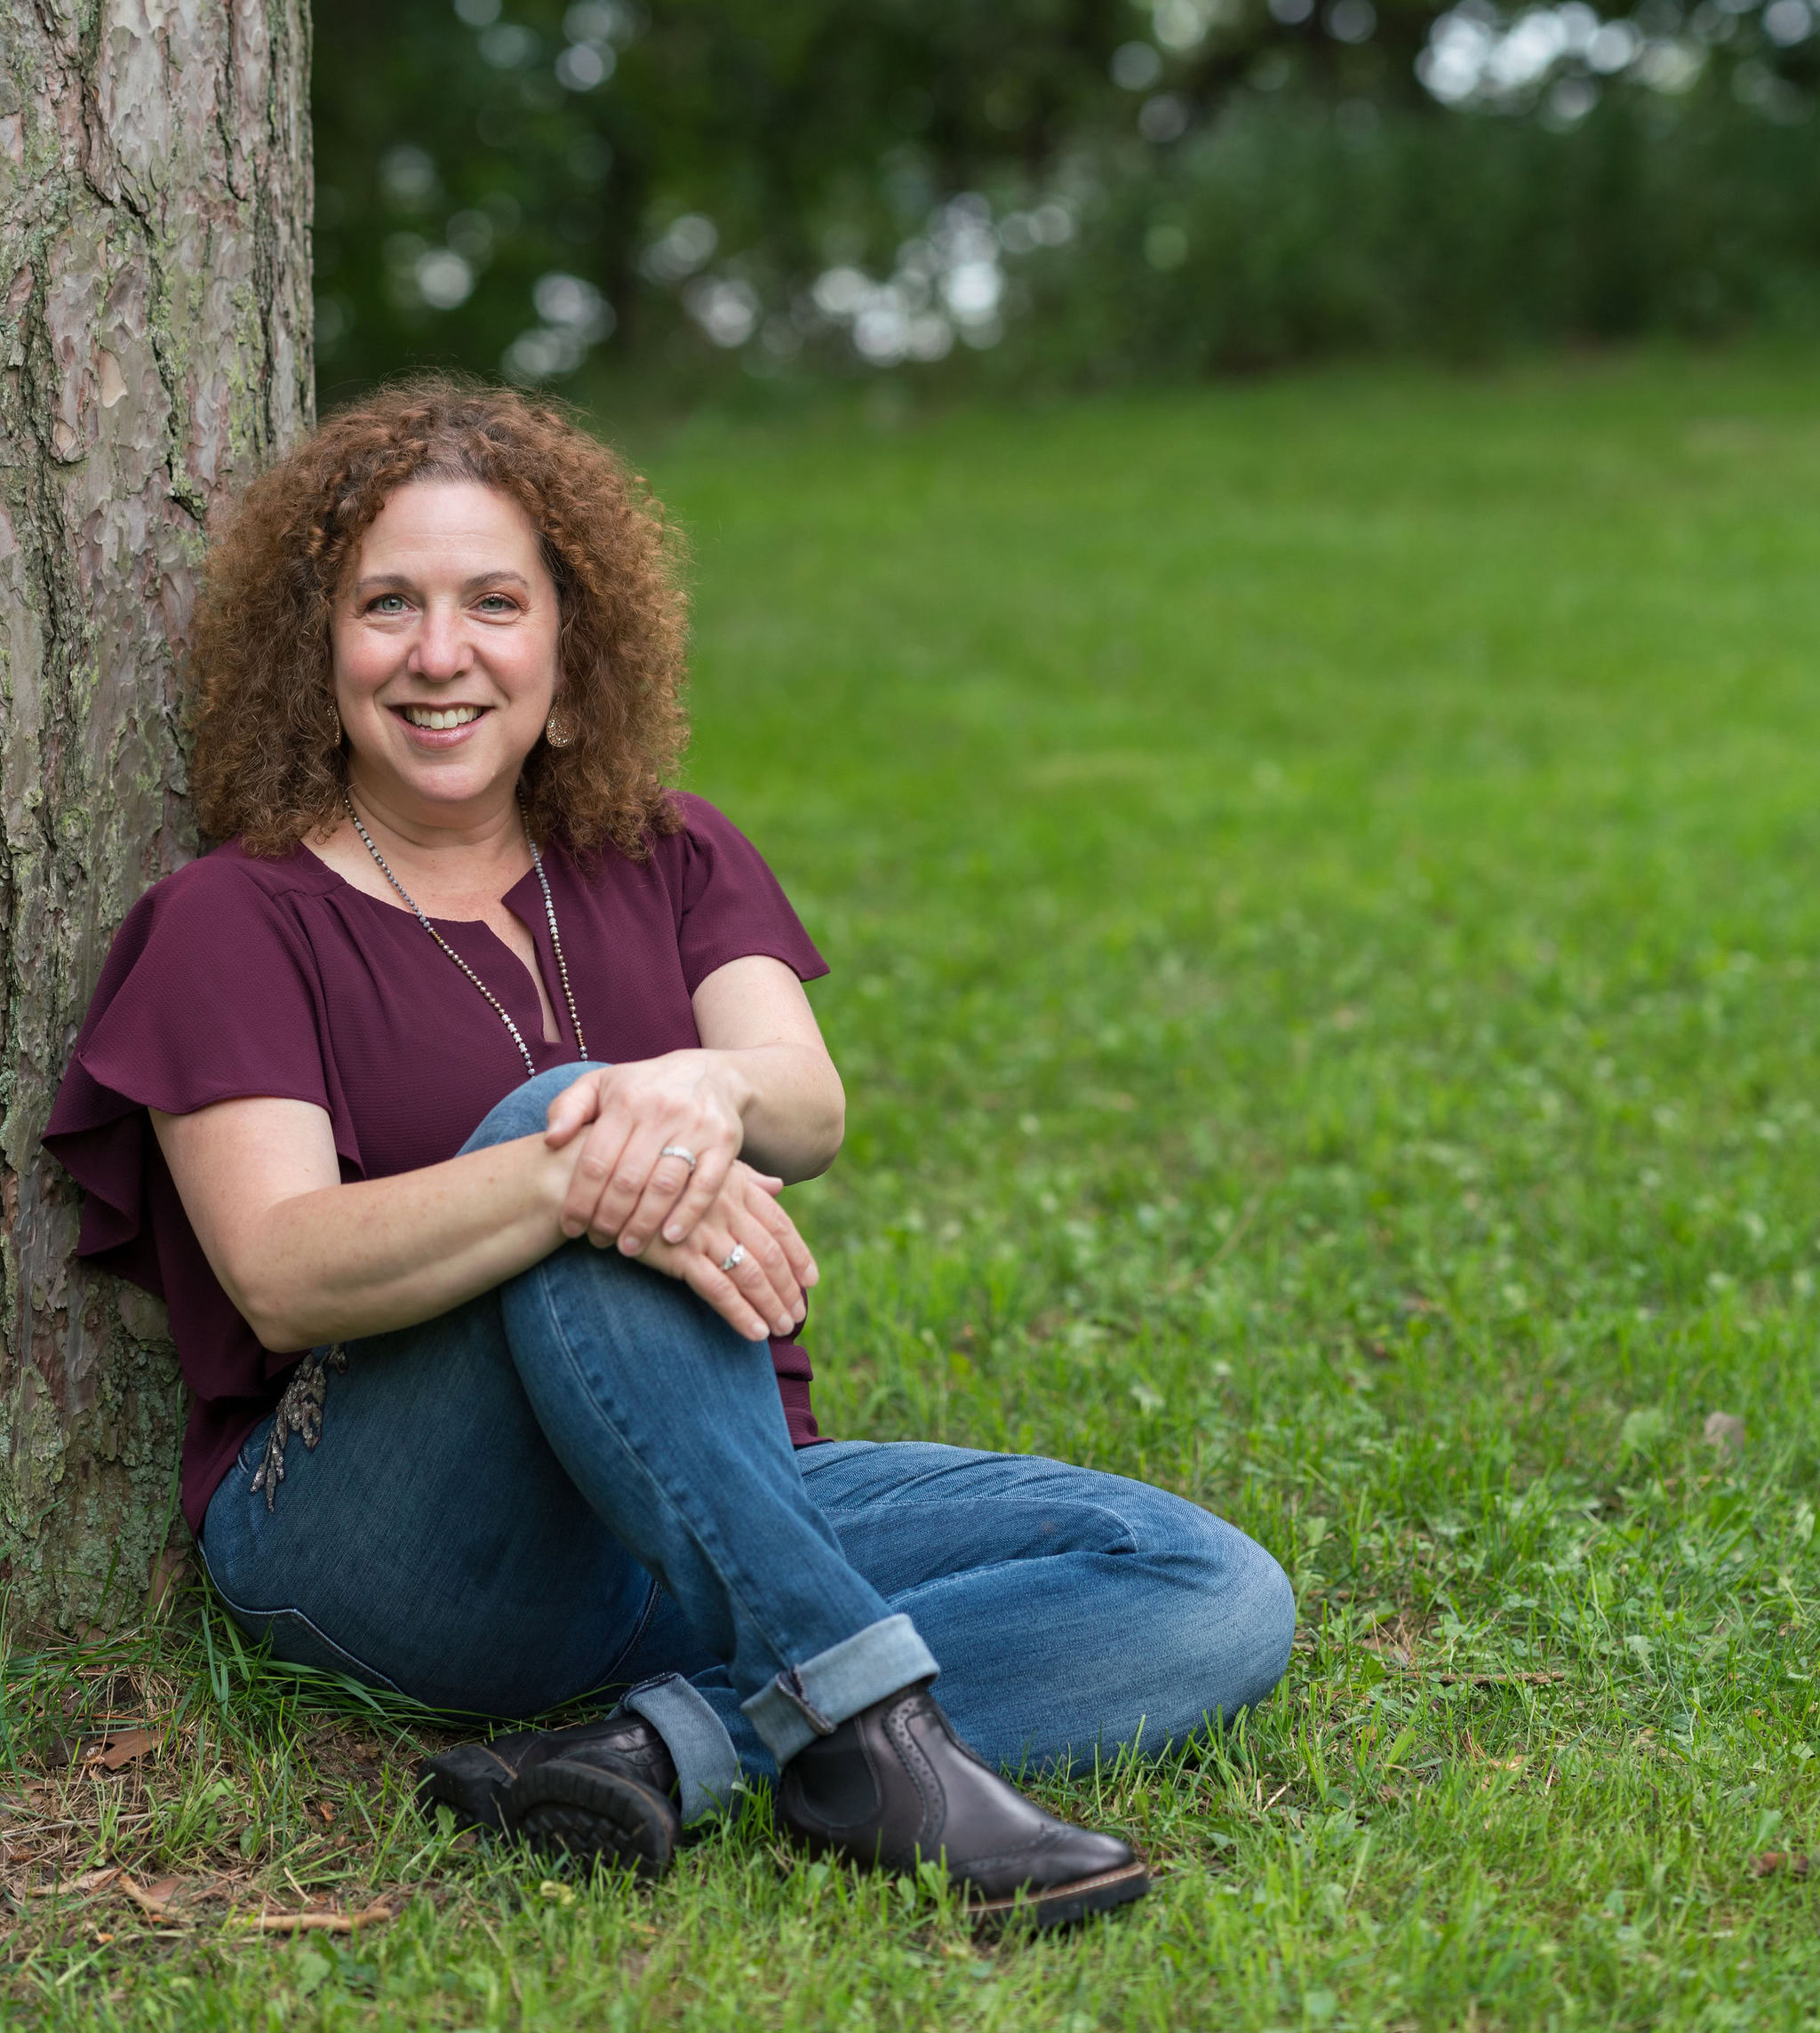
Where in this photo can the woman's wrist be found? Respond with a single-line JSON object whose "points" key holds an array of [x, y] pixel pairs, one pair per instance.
{"points": [[551, 1172]]}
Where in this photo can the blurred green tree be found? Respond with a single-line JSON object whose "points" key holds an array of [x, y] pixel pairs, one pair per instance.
{"points": [[522, 186], [463, 154]]}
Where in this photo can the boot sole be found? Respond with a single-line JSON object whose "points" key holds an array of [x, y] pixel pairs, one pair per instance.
{"points": [[595, 1816], [1056, 1905]]}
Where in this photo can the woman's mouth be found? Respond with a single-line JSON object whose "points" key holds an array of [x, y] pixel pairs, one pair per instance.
{"points": [[439, 718]]}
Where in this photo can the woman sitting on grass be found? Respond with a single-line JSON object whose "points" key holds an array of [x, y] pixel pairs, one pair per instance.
{"points": [[473, 1064]]}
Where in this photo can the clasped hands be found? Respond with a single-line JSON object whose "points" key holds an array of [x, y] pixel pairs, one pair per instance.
{"points": [[685, 1221]]}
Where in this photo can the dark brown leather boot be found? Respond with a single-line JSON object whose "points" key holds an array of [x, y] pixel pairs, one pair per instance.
{"points": [[600, 1790], [894, 1785]]}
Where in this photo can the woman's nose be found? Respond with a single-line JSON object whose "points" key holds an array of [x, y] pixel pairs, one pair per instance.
{"points": [[441, 649]]}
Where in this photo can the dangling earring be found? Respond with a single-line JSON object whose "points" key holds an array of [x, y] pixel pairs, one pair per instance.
{"points": [[556, 735]]}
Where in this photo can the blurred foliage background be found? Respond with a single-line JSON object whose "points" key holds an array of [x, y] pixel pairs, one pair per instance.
{"points": [[1066, 191]]}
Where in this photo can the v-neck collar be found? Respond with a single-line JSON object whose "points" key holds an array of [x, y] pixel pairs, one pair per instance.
{"points": [[528, 910]]}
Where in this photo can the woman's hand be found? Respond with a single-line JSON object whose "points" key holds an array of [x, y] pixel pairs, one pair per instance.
{"points": [[763, 1294], [623, 1186]]}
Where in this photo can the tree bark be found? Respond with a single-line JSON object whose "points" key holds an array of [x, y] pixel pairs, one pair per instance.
{"points": [[155, 349]]}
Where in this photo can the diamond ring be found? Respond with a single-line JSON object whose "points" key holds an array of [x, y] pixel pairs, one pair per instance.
{"points": [[734, 1257], [679, 1150]]}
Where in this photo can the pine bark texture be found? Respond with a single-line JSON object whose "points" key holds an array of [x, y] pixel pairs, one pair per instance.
{"points": [[155, 349]]}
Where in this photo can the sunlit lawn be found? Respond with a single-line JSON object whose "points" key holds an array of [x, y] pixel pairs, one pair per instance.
{"points": [[1323, 885]]}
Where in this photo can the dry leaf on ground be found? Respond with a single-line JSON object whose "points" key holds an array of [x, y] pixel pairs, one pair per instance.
{"points": [[112, 1752], [90, 1881]]}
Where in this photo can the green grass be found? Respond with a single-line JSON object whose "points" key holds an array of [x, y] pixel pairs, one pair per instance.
{"points": [[1323, 884]]}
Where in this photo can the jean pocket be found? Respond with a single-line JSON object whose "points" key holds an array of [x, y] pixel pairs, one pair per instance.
{"points": [[295, 1641]]}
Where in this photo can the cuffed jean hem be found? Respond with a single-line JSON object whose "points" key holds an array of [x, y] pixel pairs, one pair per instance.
{"points": [[708, 1766], [814, 1699]]}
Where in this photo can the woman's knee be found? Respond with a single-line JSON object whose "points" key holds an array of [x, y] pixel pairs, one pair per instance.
{"points": [[1249, 1626], [1229, 1644], [1261, 1615], [525, 1111]]}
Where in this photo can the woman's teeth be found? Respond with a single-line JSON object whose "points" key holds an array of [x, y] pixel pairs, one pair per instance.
{"points": [[441, 717]]}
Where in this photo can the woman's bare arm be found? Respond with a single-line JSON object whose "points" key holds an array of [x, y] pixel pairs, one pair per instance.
{"points": [[754, 1013], [308, 1259]]}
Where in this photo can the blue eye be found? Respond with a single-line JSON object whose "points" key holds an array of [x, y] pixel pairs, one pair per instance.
{"points": [[386, 603]]}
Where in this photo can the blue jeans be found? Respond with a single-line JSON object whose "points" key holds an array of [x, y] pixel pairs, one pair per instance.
{"points": [[584, 1479]]}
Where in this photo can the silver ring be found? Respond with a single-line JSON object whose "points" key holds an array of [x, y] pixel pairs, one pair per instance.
{"points": [[679, 1150], [735, 1258]]}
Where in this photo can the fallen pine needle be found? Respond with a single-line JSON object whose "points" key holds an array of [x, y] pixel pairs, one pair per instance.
{"points": [[371, 1916], [154, 1900]]}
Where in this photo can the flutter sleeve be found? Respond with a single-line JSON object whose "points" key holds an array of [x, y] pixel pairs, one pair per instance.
{"points": [[210, 992], [732, 904]]}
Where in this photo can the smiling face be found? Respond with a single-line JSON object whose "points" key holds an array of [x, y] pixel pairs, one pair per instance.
{"points": [[445, 642]]}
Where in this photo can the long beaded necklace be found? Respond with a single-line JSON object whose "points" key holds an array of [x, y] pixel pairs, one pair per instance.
{"points": [[537, 862]]}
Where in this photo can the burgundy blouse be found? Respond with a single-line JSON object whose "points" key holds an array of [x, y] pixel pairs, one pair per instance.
{"points": [[240, 976]]}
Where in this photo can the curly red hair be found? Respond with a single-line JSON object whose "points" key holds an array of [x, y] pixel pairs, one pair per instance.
{"points": [[269, 761]]}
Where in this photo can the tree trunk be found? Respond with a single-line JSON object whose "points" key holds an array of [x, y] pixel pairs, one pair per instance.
{"points": [[155, 348]]}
